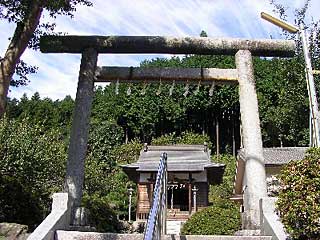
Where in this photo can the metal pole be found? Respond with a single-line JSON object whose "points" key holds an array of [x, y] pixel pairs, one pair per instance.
{"points": [[165, 194], [311, 88]]}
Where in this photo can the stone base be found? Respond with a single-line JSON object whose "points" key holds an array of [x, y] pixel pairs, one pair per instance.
{"points": [[82, 228], [248, 233], [69, 235], [14, 231]]}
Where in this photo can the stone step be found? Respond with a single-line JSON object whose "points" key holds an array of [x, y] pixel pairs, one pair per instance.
{"points": [[173, 227], [74, 235]]}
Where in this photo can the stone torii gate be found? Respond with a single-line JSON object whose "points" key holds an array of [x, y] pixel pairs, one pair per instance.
{"points": [[243, 49]]}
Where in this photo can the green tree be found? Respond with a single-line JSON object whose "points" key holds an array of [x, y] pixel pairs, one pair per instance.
{"points": [[103, 138], [31, 169], [184, 138], [106, 185], [225, 189], [283, 102], [27, 17]]}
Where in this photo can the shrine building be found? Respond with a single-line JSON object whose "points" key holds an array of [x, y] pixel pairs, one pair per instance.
{"points": [[190, 172]]}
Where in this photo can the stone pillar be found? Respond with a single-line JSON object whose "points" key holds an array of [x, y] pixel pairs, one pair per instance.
{"points": [[79, 130], [194, 190], [255, 175], [130, 191], [190, 198]]}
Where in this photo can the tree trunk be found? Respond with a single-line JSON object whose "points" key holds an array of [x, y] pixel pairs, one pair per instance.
{"points": [[22, 35]]}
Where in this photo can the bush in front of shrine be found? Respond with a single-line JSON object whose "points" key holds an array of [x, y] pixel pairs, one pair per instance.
{"points": [[299, 196], [222, 218]]}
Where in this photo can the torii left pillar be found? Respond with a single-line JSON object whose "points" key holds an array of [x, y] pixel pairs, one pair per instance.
{"points": [[79, 131]]}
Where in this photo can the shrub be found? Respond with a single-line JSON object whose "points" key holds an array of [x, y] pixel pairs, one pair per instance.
{"points": [[102, 216], [18, 203], [222, 218], [299, 196]]}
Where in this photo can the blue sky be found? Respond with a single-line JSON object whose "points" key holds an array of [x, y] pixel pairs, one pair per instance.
{"points": [[58, 73]]}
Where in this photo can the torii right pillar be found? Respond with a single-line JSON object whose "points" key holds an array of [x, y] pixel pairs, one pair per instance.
{"points": [[254, 185]]}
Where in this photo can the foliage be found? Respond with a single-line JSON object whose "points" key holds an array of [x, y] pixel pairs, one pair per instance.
{"points": [[225, 189], [299, 202], [193, 138], [51, 114], [99, 163], [283, 102], [102, 216], [167, 139], [220, 219], [118, 194], [185, 138], [104, 179], [18, 204], [32, 166], [127, 153]]}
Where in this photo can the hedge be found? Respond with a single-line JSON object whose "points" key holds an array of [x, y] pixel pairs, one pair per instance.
{"points": [[222, 218], [299, 197]]}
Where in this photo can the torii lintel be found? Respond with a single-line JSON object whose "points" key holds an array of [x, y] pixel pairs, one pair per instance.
{"points": [[166, 45]]}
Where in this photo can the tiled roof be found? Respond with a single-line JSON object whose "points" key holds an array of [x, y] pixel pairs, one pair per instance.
{"points": [[279, 156], [181, 158]]}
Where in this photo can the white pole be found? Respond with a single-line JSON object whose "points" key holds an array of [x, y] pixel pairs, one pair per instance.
{"points": [[194, 198], [130, 190], [311, 89]]}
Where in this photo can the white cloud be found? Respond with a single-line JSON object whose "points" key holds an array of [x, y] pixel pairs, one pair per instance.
{"points": [[58, 73]]}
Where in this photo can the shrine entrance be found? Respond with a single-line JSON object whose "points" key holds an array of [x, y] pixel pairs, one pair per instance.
{"points": [[178, 198], [243, 74]]}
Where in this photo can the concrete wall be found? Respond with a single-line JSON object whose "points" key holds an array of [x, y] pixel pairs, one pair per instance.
{"points": [[59, 218], [269, 220]]}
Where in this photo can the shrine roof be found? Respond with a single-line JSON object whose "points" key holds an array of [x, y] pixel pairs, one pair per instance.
{"points": [[181, 158], [185, 158], [279, 155]]}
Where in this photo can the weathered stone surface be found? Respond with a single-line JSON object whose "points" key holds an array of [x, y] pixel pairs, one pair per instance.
{"points": [[248, 233], [65, 235], [79, 130], [165, 44], [254, 185], [138, 227], [167, 75], [13, 230]]}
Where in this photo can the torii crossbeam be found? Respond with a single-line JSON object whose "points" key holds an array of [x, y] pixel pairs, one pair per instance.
{"points": [[243, 49], [167, 75]]}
